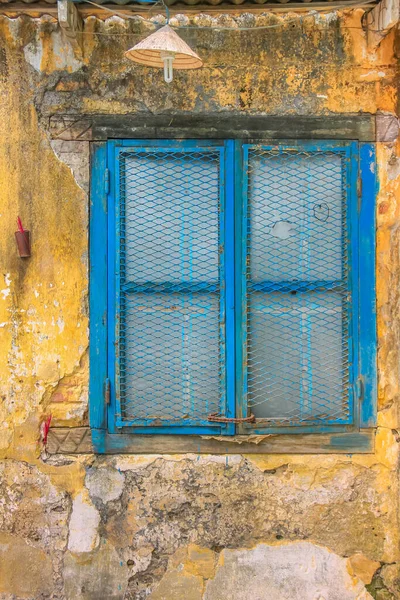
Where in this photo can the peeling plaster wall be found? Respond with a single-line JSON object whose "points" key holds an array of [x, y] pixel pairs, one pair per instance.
{"points": [[172, 527]]}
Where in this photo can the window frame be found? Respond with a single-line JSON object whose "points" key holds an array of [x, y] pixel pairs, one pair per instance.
{"points": [[350, 153], [226, 219], [106, 436]]}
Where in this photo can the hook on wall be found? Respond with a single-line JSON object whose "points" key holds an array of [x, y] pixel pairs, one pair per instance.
{"points": [[22, 237]]}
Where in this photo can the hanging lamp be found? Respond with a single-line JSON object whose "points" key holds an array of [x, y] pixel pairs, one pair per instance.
{"points": [[165, 49]]}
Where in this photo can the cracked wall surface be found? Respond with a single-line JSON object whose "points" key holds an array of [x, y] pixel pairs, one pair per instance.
{"points": [[183, 526]]}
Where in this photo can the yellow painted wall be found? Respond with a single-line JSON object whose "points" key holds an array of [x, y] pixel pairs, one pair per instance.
{"points": [[92, 527]]}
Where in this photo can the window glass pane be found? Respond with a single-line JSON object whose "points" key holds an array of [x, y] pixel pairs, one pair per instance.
{"points": [[171, 365], [171, 332], [171, 216], [296, 216], [297, 287], [298, 361]]}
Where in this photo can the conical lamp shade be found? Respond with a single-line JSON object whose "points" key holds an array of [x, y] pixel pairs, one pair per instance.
{"points": [[148, 52]]}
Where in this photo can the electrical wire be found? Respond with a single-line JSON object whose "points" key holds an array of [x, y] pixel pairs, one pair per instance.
{"points": [[138, 34]]}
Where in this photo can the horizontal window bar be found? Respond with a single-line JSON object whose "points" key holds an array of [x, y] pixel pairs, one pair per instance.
{"points": [[294, 286], [150, 287]]}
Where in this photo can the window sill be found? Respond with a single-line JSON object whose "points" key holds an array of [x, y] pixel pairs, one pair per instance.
{"points": [[81, 440]]}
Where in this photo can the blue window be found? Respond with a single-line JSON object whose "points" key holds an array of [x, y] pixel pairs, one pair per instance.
{"points": [[232, 287]]}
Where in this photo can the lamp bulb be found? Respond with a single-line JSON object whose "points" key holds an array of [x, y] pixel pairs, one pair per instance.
{"points": [[168, 59]]}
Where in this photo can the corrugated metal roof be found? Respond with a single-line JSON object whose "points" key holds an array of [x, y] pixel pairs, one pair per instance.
{"points": [[176, 3]]}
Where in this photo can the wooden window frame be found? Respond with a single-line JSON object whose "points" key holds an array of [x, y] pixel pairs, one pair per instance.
{"points": [[355, 438]]}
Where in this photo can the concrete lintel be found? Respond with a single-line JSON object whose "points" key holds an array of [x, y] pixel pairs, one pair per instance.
{"points": [[209, 126]]}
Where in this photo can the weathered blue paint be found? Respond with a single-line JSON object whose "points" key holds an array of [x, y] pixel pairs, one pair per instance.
{"points": [[351, 442], [229, 257], [352, 243], [165, 288], [288, 286], [112, 287], [98, 288], [367, 286], [338, 443], [356, 350], [189, 425], [241, 222]]}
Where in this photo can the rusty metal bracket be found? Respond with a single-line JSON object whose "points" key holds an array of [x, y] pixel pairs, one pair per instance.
{"points": [[107, 391], [214, 417], [71, 24]]}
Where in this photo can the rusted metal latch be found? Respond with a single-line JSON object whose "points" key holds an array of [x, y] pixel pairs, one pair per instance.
{"points": [[219, 419], [107, 391]]}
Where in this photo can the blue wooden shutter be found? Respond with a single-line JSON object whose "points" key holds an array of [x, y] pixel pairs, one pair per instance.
{"points": [[171, 279], [299, 246]]}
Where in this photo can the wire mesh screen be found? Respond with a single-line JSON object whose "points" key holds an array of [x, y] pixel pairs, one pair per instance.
{"points": [[171, 325], [297, 287]]}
